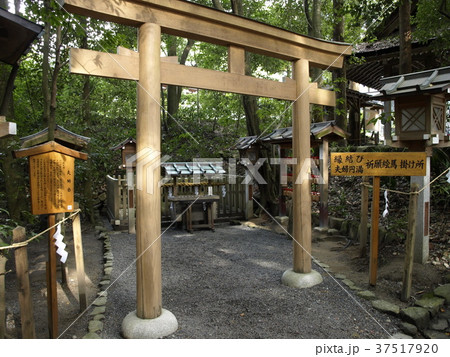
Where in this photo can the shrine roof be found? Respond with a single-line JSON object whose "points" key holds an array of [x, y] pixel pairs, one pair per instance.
{"points": [[130, 140], [425, 82], [245, 143], [193, 168], [16, 35], [62, 136]]}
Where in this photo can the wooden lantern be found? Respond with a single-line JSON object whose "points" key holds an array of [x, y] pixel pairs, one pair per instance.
{"points": [[420, 117], [51, 176], [420, 107], [128, 148]]}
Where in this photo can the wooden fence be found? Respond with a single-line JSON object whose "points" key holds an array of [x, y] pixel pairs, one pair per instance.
{"points": [[235, 202]]}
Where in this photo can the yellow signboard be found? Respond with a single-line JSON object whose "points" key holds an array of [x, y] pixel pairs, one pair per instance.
{"points": [[52, 183], [378, 164]]}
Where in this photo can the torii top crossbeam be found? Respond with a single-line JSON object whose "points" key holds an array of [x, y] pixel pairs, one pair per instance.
{"points": [[185, 19]]}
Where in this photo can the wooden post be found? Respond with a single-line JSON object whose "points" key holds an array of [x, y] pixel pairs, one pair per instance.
{"points": [[301, 151], [364, 217], [410, 241], [148, 227], [131, 202], [323, 159], [373, 266], [3, 261], [23, 285], [79, 259], [52, 297], [60, 217], [422, 245]]}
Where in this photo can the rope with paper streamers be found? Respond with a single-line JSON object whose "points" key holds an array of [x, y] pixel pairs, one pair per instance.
{"points": [[412, 193], [26, 242]]}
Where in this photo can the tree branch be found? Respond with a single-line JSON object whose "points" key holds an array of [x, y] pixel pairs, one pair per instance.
{"points": [[218, 5], [307, 15], [443, 9]]}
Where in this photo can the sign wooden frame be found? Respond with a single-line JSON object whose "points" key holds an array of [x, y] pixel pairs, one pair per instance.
{"points": [[377, 164]]}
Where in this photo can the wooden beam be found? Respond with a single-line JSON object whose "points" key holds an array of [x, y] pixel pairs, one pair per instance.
{"points": [[225, 82], [321, 96], [104, 64], [236, 60], [127, 67], [209, 25], [127, 52], [7, 128]]}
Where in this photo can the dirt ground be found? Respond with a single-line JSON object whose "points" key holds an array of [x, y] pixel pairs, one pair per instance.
{"points": [[344, 258], [71, 322], [331, 250]]}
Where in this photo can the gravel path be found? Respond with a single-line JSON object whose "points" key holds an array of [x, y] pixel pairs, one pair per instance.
{"points": [[227, 284]]}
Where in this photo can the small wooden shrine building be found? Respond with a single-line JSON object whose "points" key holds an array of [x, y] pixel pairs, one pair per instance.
{"points": [[320, 135], [16, 36]]}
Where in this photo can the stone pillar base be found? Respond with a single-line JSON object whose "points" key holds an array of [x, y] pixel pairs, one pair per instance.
{"points": [[137, 328], [301, 280]]}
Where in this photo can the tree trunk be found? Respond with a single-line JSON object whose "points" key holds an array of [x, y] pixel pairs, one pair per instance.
{"points": [[88, 193], [314, 20], [46, 73], [16, 199], [17, 6], [8, 91], [174, 92], [269, 192], [405, 65], [54, 83], [339, 75]]}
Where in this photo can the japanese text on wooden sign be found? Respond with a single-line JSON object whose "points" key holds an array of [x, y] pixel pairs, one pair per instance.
{"points": [[52, 183], [378, 164]]}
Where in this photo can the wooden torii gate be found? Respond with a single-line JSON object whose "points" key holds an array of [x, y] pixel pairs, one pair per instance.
{"points": [[188, 20]]}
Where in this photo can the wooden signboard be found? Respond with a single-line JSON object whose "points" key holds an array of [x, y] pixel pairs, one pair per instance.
{"points": [[378, 164], [51, 182]]}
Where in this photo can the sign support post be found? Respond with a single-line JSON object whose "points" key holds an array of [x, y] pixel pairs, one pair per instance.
{"points": [[373, 266], [52, 297]]}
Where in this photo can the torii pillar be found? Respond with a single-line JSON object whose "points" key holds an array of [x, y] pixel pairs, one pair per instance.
{"points": [[301, 276], [149, 320]]}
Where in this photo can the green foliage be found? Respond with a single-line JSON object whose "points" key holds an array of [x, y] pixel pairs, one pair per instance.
{"points": [[385, 118], [431, 23], [367, 16], [6, 227]]}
